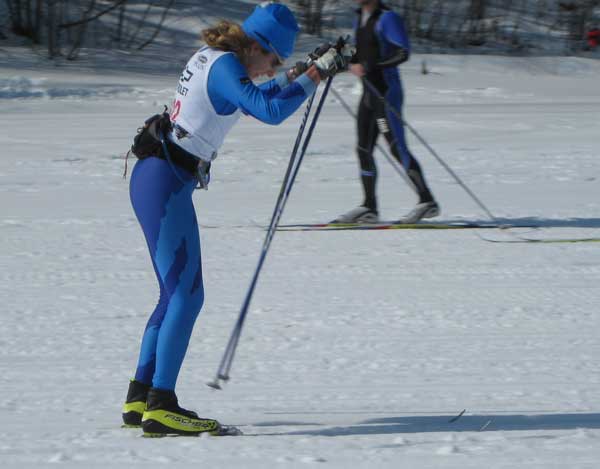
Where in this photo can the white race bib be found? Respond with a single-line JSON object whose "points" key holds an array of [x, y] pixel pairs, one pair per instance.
{"points": [[197, 128]]}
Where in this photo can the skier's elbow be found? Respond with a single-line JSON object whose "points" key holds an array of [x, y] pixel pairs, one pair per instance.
{"points": [[273, 119]]}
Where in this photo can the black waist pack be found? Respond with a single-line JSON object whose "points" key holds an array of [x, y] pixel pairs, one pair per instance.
{"points": [[147, 142]]}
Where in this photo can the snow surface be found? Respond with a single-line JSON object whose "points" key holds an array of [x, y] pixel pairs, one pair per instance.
{"points": [[359, 346]]}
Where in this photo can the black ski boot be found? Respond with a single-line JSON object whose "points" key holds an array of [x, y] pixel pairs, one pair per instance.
{"points": [[163, 416], [135, 404]]}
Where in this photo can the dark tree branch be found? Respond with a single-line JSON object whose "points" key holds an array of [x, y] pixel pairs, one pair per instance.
{"points": [[92, 18], [159, 26], [79, 39], [139, 26]]}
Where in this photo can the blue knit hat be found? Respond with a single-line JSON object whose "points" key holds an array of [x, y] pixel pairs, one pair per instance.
{"points": [[274, 27]]}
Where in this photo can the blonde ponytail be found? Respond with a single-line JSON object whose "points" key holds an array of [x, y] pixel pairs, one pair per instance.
{"points": [[228, 36]]}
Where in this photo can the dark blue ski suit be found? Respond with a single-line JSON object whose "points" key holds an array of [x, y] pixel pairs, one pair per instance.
{"points": [[161, 195], [381, 45]]}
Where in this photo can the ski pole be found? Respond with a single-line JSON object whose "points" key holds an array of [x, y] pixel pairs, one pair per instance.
{"points": [[290, 167], [235, 333], [391, 160], [305, 144], [223, 373], [227, 360], [292, 170], [397, 113]]}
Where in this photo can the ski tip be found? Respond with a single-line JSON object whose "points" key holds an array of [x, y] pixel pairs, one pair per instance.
{"points": [[215, 385], [227, 430]]}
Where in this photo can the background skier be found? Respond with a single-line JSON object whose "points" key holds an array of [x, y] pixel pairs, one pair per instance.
{"points": [[381, 45]]}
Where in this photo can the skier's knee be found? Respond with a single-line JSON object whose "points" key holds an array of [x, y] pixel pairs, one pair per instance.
{"points": [[365, 156]]}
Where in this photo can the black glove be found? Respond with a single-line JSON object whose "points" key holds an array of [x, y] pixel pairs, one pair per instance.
{"points": [[331, 63], [297, 69], [336, 59], [303, 65], [341, 46], [319, 51]]}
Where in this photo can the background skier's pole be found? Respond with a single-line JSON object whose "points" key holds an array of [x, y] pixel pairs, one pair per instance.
{"points": [[397, 113]]}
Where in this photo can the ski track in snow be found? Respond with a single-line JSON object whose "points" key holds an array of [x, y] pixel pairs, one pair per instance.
{"points": [[359, 346]]}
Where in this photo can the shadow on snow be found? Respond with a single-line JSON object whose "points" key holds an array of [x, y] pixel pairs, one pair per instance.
{"points": [[469, 423]]}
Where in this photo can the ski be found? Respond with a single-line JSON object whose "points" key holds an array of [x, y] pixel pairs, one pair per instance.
{"points": [[224, 430], [521, 239], [392, 225]]}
